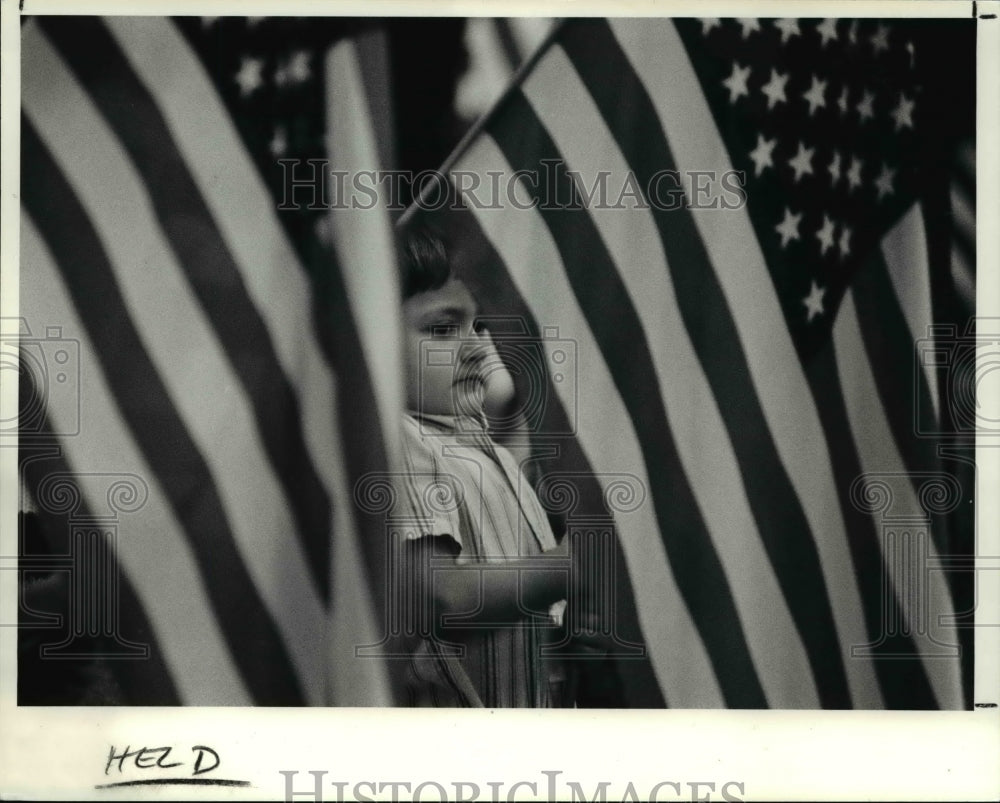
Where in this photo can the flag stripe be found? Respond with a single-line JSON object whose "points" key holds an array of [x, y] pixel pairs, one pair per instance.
{"points": [[373, 61], [963, 199], [902, 681], [627, 109], [360, 339], [875, 447], [658, 57], [908, 313], [523, 242], [88, 275], [634, 244], [964, 278], [211, 271], [187, 643], [508, 44], [899, 378], [597, 287], [556, 455], [363, 239]]}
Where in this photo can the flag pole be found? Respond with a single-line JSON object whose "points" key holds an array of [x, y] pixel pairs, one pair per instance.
{"points": [[484, 119]]}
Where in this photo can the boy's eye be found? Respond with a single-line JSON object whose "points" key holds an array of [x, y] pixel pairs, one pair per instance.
{"points": [[449, 329]]}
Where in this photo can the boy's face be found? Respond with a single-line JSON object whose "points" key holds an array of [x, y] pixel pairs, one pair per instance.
{"points": [[444, 356]]}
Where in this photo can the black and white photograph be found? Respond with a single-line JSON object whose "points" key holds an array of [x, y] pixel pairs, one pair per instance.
{"points": [[619, 365]]}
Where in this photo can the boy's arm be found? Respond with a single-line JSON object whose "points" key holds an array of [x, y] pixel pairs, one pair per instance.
{"points": [[481, 593]]}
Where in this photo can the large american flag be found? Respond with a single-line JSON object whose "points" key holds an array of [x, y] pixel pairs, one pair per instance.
{"points": [[758, 368], [205, 376]]}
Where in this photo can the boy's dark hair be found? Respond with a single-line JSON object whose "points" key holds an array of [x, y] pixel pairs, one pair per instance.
{"points": [[423, 261]]}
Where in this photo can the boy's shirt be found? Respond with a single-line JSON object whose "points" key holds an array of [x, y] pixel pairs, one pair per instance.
{"points": [[460, 484]]}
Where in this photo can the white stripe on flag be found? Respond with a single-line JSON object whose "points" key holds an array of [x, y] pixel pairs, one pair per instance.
{"points": [[964, 278], [363, 240], [525, 244], [529, 32], [878, 454], [488, 72], [152, 550], [185, 353], [905, 250], [658, 56], [710, 464], [964, 225]]}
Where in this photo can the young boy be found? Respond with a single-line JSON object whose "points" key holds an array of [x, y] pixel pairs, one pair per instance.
{"points": [[481, 556]]}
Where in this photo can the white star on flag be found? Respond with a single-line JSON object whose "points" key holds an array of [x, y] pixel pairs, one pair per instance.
{"points": [[880, 39], [279, 142], [903, 113], [825, 236], [736, 83], [842, 101], [708, 23], [249, 77], [749, 25], [834, 169], [854, 173], [775, 88], [788, 28], [827, 30], [815, 96], [845, 242], [865, 108], [801, 163], [298, 66], [884, 182], [789, 227], [814, 301], [761, 155]]}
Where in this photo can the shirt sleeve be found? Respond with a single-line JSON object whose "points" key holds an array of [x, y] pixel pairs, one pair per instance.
{"points": [[430, 500]]}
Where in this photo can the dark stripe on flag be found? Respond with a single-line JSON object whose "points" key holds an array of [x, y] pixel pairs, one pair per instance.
{"points": [[964, 173], [903, 681], [364, 446], [373, 59], [964, 241], [598, 288], [482, 268], [901, 382], [629, 114], [508, 44], [252, 636], [144, 681], [211, 271]]}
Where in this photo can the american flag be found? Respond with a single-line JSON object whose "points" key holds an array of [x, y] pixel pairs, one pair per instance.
{"points": [[752, 355], [227, 371]]}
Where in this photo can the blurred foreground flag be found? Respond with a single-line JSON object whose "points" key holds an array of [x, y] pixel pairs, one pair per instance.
{"points": [[724, 219], [201, 382]]}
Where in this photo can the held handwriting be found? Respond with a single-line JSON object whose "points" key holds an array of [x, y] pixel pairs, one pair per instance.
{"points": [[202, 759]]}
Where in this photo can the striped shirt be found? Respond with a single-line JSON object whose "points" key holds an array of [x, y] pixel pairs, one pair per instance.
{"points": [[459, 484]]}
